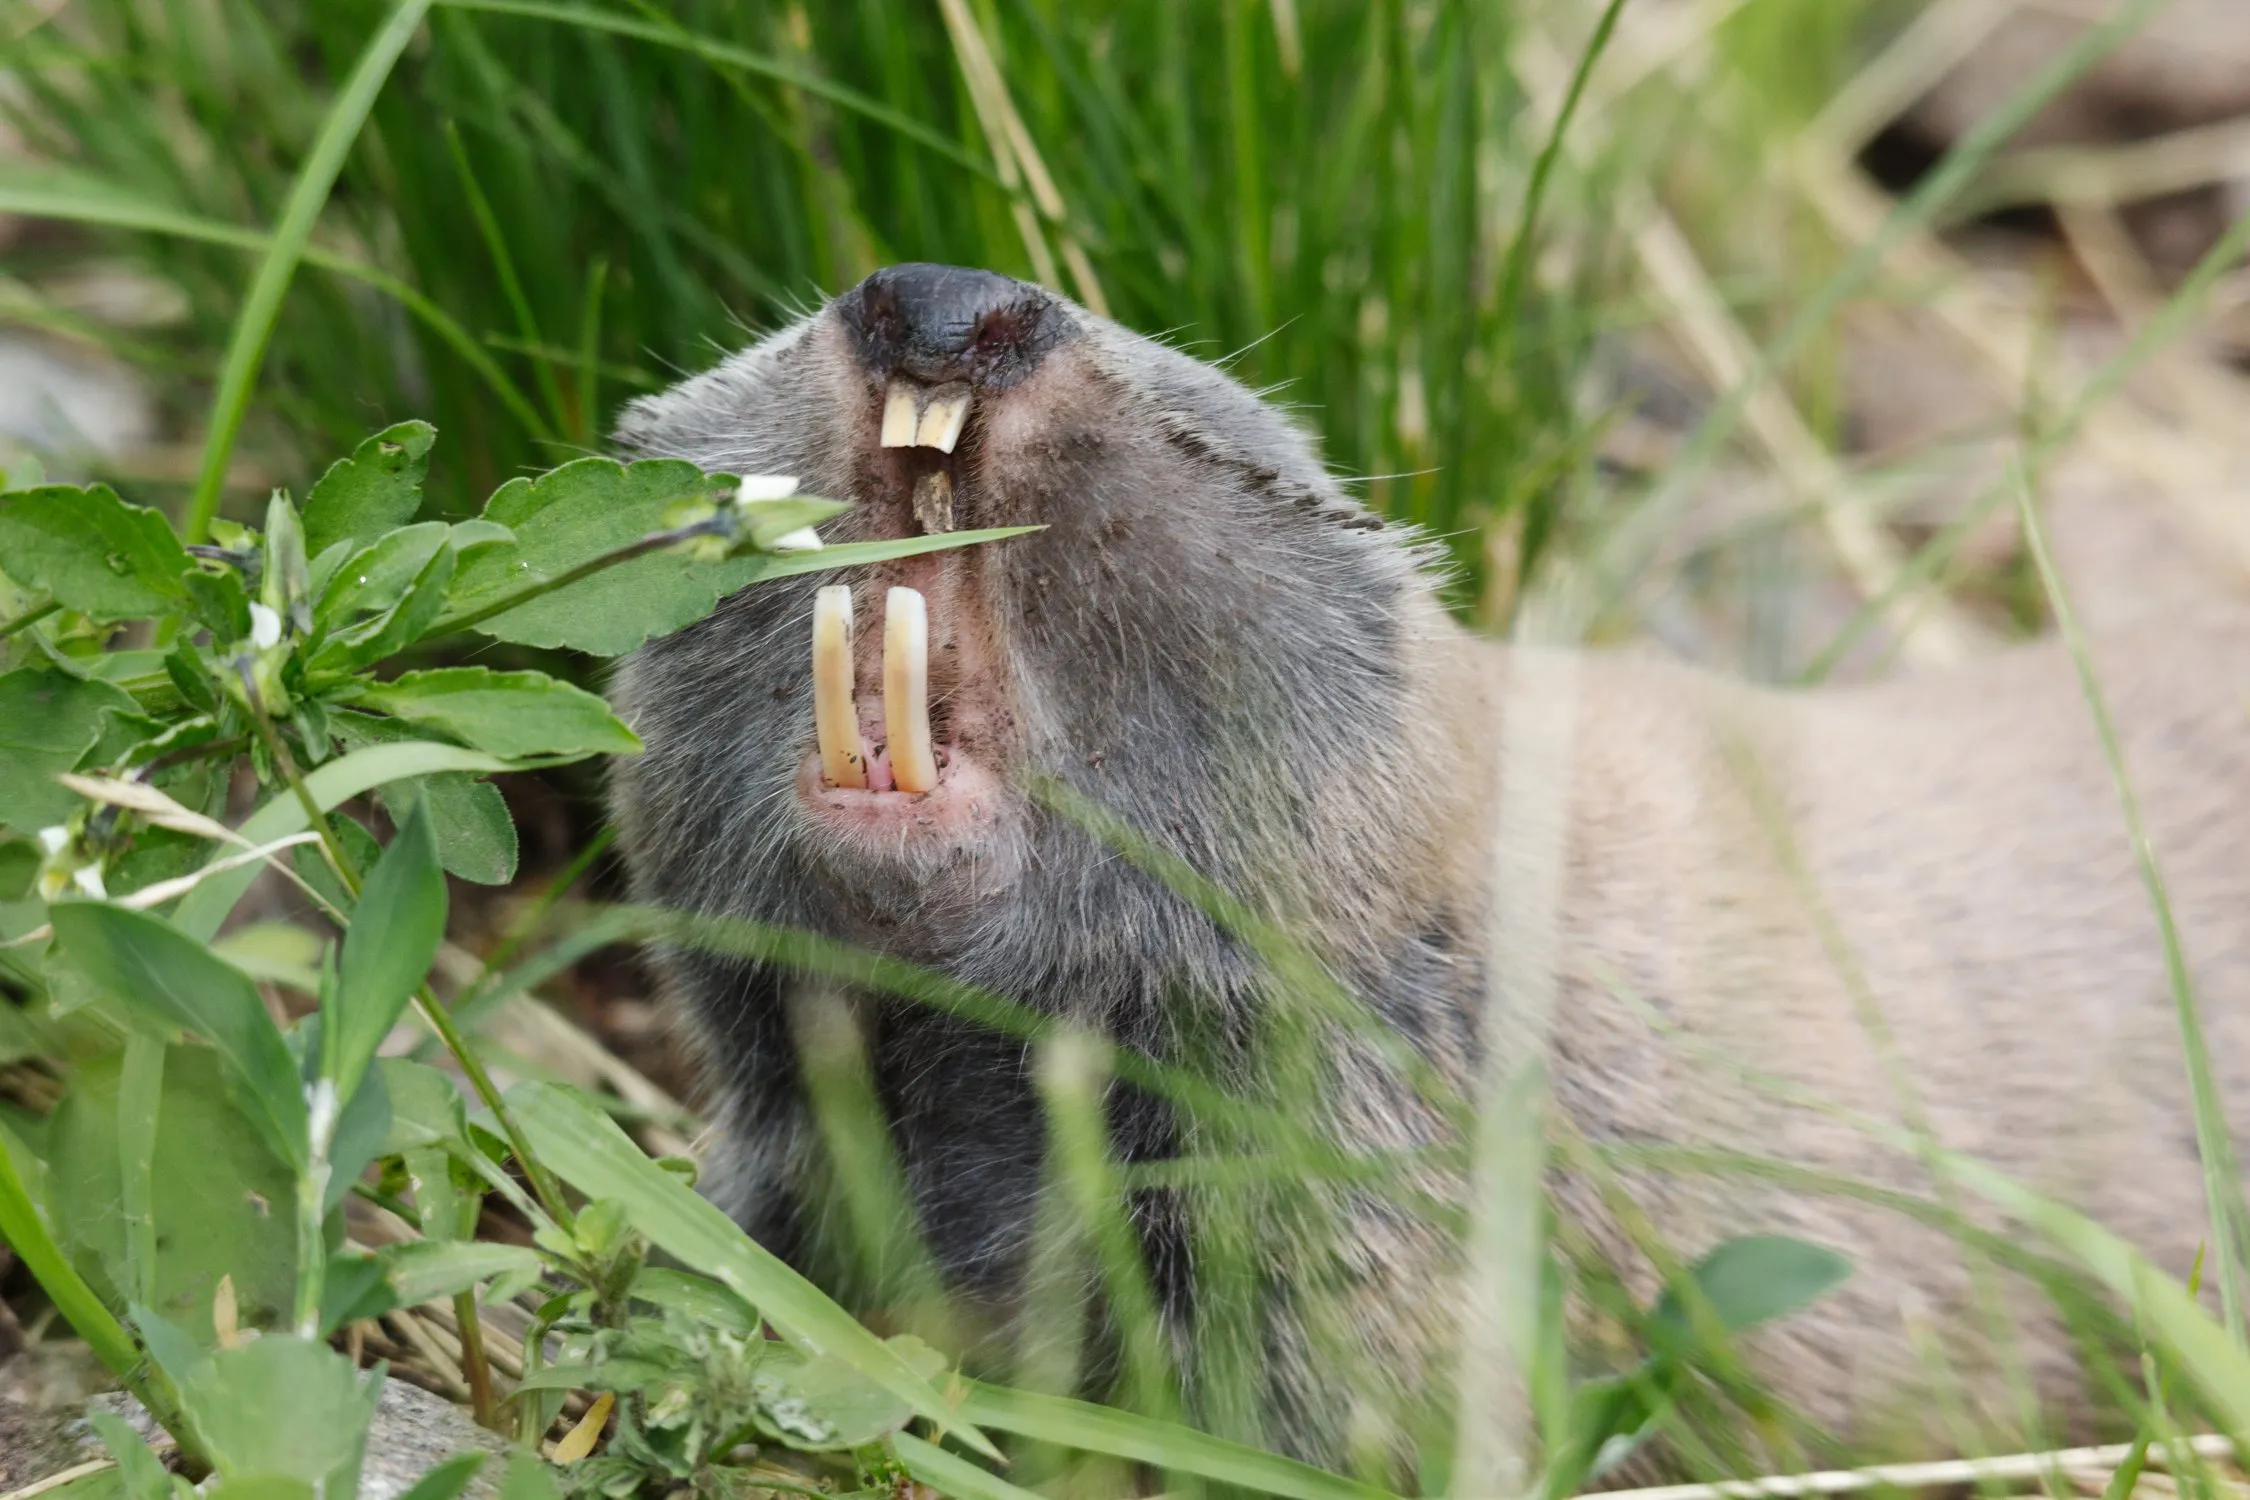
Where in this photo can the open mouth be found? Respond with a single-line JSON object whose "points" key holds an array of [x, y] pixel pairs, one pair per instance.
{"points": [[906, 759], [880, 761]]}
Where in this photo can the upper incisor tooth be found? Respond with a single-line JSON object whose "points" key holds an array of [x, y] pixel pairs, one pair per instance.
{"points": [[906, 690], [835, 711], [945, 412], [902, 413]]}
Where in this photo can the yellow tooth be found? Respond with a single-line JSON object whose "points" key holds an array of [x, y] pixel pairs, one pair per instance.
{"points": [[835, 715], [944, 413], [933, 501], [906, 690], [901, 412]]}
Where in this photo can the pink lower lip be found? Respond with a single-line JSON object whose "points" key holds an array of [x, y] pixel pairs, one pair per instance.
{"points": [[964, 802]]}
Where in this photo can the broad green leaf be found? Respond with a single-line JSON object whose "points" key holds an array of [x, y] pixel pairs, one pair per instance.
{"points": [[219, 600], [93, 552], [202, 910], [696, 1297], [448, 1479], [511, 714], [354, 1288], [394, 934], [378, 575], [528, 1479], [1166, 1445], [1756, 1278], [951, 1475], [426, 1270], [821, 1402], [158, 970], [48, 721], [377, 489], [574, 515], [584, 1147], [282, 1407], [426, 1108], [141, 1471], [220, 1196], [396, 628], [476, 835]]}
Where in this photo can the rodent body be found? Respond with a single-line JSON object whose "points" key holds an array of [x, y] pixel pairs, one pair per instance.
{"points": [[1728, 899]]}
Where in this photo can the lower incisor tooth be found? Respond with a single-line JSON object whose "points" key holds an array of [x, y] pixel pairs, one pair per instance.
{"points": [[902, 415], [835, 714], [906, 690], [933, 501]]}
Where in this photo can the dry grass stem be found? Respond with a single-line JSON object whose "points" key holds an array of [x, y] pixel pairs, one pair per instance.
{"points": [[2111, 175], [2015, 1467], [1928, 625]]}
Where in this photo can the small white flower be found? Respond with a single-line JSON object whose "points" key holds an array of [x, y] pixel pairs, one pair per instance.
{"points": [[765, 487], [265, 628], [803, 539], [53, 839], [89, 880]]}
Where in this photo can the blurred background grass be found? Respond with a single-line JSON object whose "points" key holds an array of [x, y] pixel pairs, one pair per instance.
{"points": [[602, 200]]}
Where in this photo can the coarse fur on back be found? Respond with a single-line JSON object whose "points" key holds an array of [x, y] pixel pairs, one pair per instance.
{"points": [[1754, 916]]}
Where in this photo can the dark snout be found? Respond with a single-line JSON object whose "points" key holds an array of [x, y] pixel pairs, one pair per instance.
{"points": [[940, 324]]}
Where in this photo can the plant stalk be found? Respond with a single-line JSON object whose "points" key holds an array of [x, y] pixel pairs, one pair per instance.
{"points": [[473, 1361], [543, 1186], [28, 618], [653, 542], [261, 308]]}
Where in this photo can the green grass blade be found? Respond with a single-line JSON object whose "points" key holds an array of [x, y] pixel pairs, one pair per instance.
{"points": [[1518, 268], [953, 1476], [504, 265], [1167, 1445], [254, 325], [333, 782], [2216, 1362], [727, 55], [2222, 1177], [25, 1230], [80, 202], [581, 1144]]}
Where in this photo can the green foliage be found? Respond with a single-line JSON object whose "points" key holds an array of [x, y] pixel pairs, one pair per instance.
{"points": [[509, 714], [91, 552], [49, 720], [219, 1195], [376, 491], [184, 1194], [564, 200]]}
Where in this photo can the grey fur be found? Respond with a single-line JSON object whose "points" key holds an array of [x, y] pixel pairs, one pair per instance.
{"points": [[1215, 642]]}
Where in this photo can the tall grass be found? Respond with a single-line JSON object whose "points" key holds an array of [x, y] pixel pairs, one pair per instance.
{"points": [[601, 196]]}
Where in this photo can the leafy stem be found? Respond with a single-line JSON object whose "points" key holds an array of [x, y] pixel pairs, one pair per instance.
{"points": [[29, 617], [286, 765], [719, 525], [543, 1185]]}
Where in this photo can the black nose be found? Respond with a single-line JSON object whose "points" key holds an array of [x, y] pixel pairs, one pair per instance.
{"points": [[945, 323]]}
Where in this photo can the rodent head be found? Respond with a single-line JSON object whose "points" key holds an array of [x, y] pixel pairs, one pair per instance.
{"points": [[1210, 638]]}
